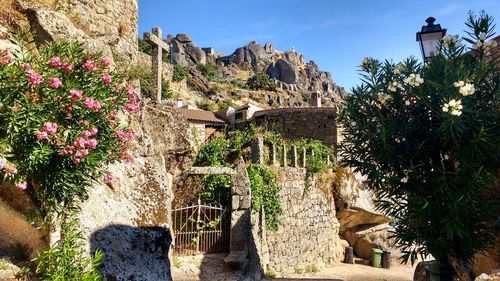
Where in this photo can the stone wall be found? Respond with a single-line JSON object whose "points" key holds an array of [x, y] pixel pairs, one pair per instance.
{"points": [[308, 232], [300, 123]]}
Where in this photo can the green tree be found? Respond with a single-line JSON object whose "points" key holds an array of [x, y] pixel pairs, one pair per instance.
{"points": [[427, 137], [260, 81]]}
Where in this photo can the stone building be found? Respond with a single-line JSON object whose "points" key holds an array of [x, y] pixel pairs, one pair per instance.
{"points": [[202, 123]]}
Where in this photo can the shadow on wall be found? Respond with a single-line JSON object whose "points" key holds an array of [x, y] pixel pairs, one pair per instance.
{"points": [[133, 253]]}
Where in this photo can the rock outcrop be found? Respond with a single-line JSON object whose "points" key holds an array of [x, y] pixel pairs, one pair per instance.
{"points": [[362, 226]]}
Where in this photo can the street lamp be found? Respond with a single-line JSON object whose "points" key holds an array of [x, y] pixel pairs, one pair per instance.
{"points": [[429, 38]]}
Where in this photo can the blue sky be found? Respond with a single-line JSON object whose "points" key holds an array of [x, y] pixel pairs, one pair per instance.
{"points": [[336, 34]]}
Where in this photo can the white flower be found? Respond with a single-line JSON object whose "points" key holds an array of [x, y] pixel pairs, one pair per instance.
{"points": [[414, 80], [3, 161], [394, 86], [397, 68], [459, 84], [482, 36], [453, 106], [366, 63], [450, 41], [477, 46], [407, 102], [467, 89], [383, 98], [404, 180]]}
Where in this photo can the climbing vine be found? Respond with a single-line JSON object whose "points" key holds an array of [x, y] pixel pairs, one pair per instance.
{"points": [[265, 193], [223, 151]]}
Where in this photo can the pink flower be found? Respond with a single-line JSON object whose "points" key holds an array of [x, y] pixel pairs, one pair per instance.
{"points": [[34, 78], [113, 115], [81, 153], [25, 66], [96, 68], [2, 163], [80, 143], [113, 123], [6, 58], [11, 170], [86, 134], [105, 61], [67, 151], [55, 62], [22, 185], [75, 95], [132, 98], [55, 82], [97, 106], [76, 160], [132, 107], [50, 128], [130, 134], [120, 134], [126, 157], [88, 65], [66, 66], [89, 102], [106, 78], [130, 89], [41, 135], [94, 131], [92, 143], [108, 178]]}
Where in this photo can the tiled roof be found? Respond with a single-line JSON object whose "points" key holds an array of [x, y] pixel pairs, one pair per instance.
{"points": [[201, 116]]}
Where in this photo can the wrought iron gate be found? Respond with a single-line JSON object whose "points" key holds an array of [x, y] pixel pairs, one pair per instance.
{"points": [[200, 229]]}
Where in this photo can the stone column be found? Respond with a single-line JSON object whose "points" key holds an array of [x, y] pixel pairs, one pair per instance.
{"points": [[258, 151], [304, 157], [273, 154], [157, 64], [240, 217], [294, 156], [285, 164]]}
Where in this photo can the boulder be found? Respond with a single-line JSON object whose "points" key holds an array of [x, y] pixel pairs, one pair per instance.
{"points": [[283, 71], [197, 55], [50, 26], [354, 217], [184, 38], [198, 81]]}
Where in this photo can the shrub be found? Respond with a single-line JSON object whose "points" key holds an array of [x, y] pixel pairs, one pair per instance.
{"points": [[260, 81], [427, 136], [205, 105], [58, 122], [210, 71], [66, 260], [180, 73]]}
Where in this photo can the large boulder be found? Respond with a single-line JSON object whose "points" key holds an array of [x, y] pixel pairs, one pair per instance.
{"points": [[184, 38], [283, 71]]}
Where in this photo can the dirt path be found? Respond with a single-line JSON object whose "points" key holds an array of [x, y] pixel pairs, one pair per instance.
{"points": [[354, 272]]}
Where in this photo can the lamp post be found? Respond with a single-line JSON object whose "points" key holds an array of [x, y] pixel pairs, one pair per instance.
{"points": [[429, 37]]}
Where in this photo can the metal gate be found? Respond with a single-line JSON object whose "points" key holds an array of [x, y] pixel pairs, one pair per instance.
{"points": [[200, 229]]}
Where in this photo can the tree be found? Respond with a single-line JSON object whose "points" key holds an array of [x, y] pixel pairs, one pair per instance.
{"points": [[427, 136]]}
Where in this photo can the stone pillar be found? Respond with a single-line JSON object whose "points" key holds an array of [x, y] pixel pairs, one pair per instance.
{"points": [[294, 156], [285, 164], [258, 150], [240, 217], [157, 64], [304, 157], [273, 154]]}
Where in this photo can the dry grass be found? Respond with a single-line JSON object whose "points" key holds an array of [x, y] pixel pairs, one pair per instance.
{"points": [[10, 16]]}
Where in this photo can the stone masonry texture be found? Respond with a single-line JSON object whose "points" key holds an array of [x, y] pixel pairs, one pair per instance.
{"points": [[308, 232]]}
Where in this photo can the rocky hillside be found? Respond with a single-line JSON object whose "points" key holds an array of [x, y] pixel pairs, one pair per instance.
{"points": [[222, 78]]}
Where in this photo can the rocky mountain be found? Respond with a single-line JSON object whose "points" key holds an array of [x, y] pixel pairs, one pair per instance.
{"points": [[295, 79]]}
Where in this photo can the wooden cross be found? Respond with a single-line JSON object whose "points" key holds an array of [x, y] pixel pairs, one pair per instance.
{"points": [[154, 38]]}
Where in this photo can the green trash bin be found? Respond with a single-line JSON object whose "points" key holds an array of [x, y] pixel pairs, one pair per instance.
{"points": [[377, 257]]}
